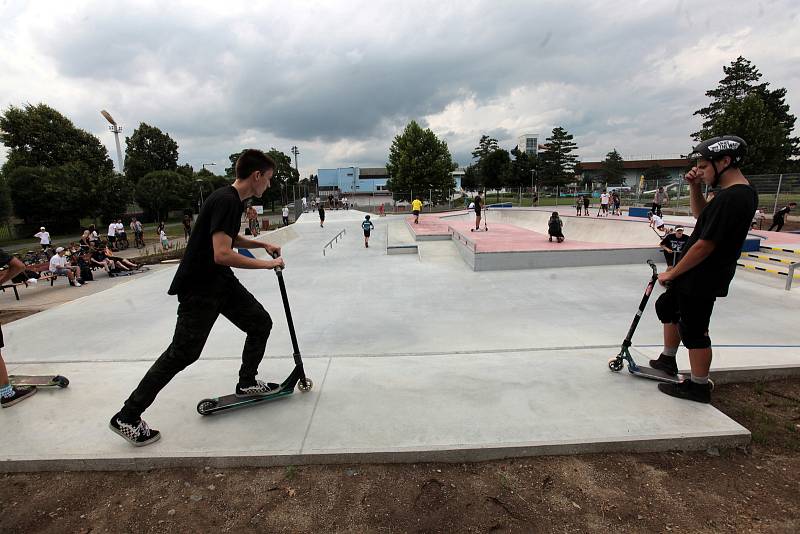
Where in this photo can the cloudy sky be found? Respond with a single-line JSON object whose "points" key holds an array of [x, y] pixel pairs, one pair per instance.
{"points": [[340, 79]]}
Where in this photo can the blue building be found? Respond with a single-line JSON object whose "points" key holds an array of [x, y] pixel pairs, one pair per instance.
{"points": [[362, 181]]}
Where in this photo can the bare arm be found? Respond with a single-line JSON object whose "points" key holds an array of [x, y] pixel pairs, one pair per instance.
{"points": [[697, 253], [225, 255], [243, 242], [15, 266]]}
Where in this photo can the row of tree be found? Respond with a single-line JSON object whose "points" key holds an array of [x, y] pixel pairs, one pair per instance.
{"points": [[58, 174]]}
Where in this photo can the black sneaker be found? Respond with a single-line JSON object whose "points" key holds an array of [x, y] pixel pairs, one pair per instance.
{"points": [[20, 394], [665, 363], [256, 389], [688, 390], [137, 434]]}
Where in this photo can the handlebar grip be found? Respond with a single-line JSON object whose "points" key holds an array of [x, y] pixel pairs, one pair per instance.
{"points": [[653, 266]]}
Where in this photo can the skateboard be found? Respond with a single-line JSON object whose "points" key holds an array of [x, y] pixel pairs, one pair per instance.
{"points": [[230, 402], [46, 381]]}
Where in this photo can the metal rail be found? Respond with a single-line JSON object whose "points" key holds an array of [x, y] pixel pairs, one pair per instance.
{"points": [[790, 278], [332, 241]]}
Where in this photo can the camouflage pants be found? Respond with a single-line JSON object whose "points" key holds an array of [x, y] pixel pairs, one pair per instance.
{"points": [[196, 316]]}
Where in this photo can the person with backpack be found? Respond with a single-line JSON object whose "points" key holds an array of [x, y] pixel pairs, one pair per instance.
{"points": [[554, 228]]}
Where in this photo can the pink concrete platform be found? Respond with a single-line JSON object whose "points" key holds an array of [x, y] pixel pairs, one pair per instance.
{"points": [[510, 238]]}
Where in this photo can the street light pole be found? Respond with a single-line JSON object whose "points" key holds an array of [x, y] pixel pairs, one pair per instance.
{"points": [[209, 164], [116, 129], [201, 193]]}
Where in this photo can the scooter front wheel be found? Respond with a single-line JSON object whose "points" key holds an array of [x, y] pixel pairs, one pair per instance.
{"points": [[615, 364], [305, 385]]}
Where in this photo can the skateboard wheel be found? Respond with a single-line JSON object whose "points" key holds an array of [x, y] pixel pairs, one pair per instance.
{"points": [[615, 364], [61, 381], [205, 406], [305, 385]]}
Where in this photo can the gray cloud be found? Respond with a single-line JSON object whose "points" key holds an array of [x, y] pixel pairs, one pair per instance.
{"points": [[327, 76]]}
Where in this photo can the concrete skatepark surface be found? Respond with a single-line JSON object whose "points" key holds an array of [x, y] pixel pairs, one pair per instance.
{"points": [[414, 357]]}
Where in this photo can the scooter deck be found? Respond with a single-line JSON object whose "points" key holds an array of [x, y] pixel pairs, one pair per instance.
{"points": [[655, 374], [43, 381], [230, 402]]}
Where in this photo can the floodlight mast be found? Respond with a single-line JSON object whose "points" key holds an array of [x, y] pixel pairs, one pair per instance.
{"points": [[116, 129]]}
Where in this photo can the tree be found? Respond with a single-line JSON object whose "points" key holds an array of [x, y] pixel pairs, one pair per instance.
{"points": [[40, 136], [613, 168], [5, 201], [158, 192], [186, 170], [557, 166], [111, 195], [149, 149], [495, 168], [233, 158], [742, 106], [486, 145], [471, 179], [420, 162], [55, 196], [523, 167], [211, 180]]}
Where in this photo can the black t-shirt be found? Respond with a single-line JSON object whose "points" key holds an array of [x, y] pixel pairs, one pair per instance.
{"points": [[478, 204], [197, 273], [781, 213], [674, 242], [725, 221]]}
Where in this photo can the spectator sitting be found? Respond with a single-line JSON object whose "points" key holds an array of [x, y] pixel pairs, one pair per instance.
{"points": [[94, 238], [59, 267], [85, 239], [554, 227], [99, 259], [121, 263], [83, 260]]}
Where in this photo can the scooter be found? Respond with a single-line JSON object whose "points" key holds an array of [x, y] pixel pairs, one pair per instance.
{"points": [[296, 378], [618, 363], [485, 228]]}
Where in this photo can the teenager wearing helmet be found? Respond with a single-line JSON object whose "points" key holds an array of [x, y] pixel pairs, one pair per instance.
{"points": [[708, 262]]}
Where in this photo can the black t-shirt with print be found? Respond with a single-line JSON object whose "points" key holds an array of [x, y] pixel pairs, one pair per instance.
{"points": [[781, 213], [725, 220], [197, 273], [672, 241]]}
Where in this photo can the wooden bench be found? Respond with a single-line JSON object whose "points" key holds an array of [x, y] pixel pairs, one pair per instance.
{"points": [[44, 274]]}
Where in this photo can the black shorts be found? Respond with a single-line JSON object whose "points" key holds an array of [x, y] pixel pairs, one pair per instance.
{"points": [[111, 238], [477, 213], [366, 233], [415, 212], [692, 313]]}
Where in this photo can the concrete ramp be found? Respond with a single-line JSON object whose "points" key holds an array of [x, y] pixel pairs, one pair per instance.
{"points": [[399, 238], [413, 408]]}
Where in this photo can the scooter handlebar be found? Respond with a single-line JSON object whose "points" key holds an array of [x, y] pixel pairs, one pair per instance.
{"points": [[652, 265], [275, 256]]}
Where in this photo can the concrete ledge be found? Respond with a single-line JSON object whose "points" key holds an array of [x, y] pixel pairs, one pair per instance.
{"points": [[402, 249], [678, 442]]}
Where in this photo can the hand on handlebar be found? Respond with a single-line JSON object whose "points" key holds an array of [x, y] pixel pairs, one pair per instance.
{"points": [[277, 263]]}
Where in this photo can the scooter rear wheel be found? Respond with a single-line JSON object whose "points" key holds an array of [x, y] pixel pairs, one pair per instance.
{"points": [[205, 406]]}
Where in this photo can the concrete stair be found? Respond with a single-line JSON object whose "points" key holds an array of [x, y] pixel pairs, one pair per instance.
{"points": [[772, 261]]}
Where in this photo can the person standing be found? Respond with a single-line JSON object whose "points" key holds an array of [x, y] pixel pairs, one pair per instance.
{"points": [[44, 238], [672, 245], [10, 395], [477, 205], [586, 205], [321, 211], [604, 203], [578, 204], [305, 205], [187, 227], [659, 199], [367, 226], [207, 288], [779, 218], [708, 264], [285, 215], [416, 207], [111, 235]]}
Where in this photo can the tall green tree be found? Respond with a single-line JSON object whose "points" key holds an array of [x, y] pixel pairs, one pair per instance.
{"points": [[486, 145], [6, 207], [284, 177], [40, 136], [557, 165], [743, 105], [495, 168], [420, 162], [523, 168], [54, 196], [149, 149], [111, 196], [158, 192], [613, 168]]}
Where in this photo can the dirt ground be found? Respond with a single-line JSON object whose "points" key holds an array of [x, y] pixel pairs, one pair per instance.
{"points": [[745, 490]]}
